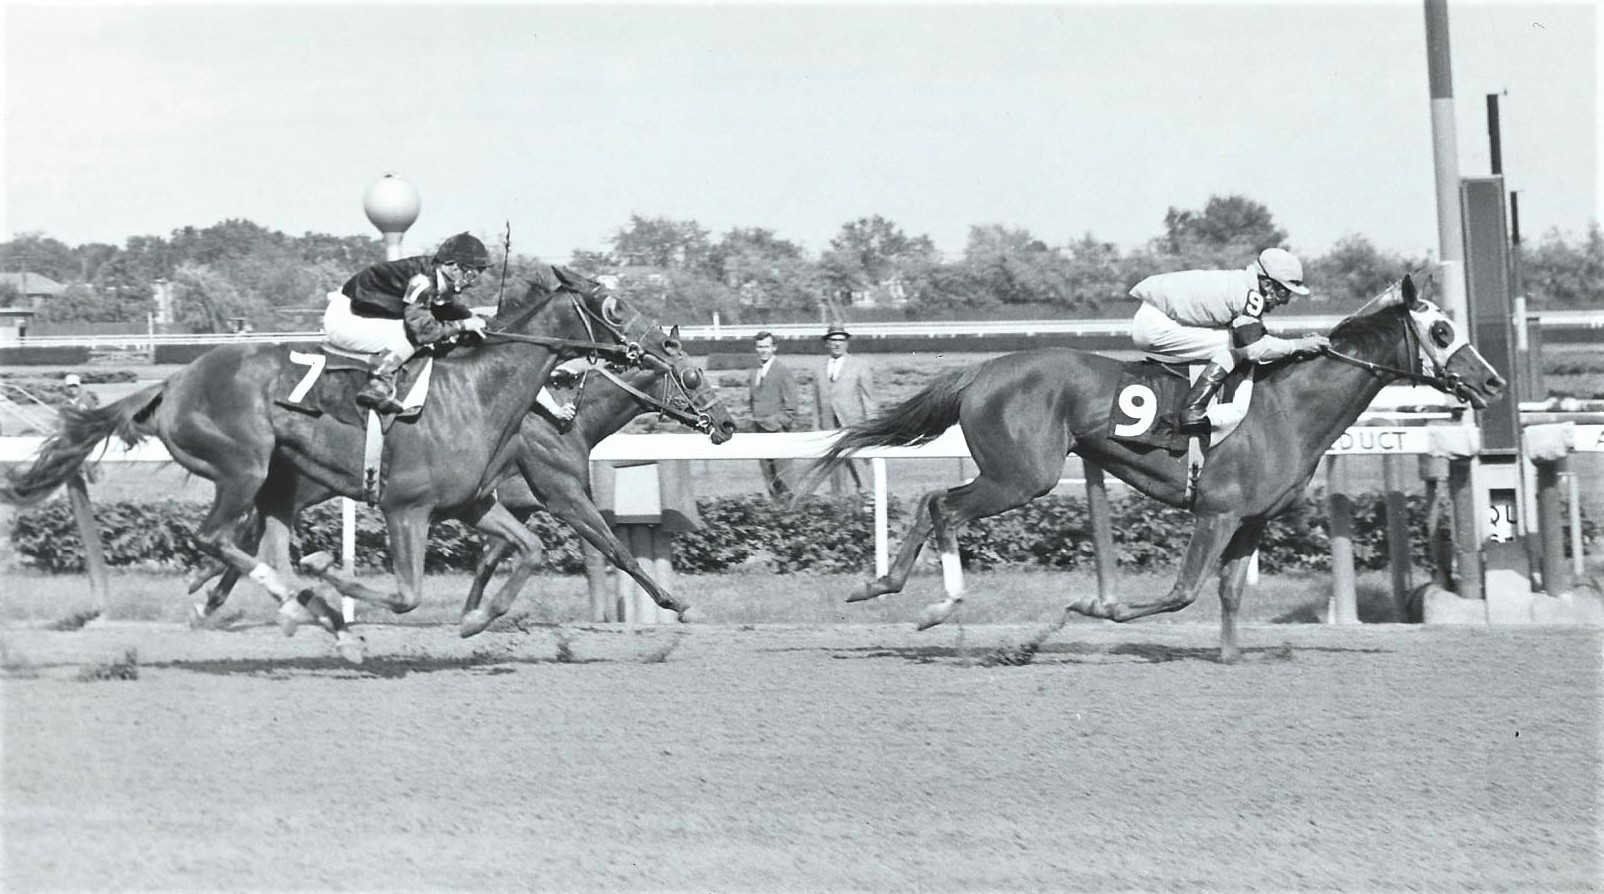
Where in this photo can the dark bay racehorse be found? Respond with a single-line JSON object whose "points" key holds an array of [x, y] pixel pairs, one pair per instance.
{"points": [[219, 420], [554, 467], [555, 464], [1023, 413]]}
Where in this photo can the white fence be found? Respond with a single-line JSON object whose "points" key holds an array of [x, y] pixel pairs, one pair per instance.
{"points": [[1549, 318]]}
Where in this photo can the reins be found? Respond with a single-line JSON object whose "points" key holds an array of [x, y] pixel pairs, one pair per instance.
{"points": [[1412, 374], [622, 348]]}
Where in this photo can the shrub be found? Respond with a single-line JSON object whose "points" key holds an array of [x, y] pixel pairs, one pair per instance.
{"points": [[820, 534]]}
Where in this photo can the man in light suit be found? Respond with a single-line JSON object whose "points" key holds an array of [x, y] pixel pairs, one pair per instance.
{"points": [[775, 401], [844, 394]]}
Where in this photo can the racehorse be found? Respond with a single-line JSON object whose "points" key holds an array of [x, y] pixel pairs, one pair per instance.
{"points": [[1022, 413], [219, 419], [554, 467]]}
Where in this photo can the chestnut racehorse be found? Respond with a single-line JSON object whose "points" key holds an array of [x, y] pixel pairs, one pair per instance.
{"points": [[1022, 413]]}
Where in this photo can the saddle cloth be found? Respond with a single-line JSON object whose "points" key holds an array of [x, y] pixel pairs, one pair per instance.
{"points": [[332, 378], [1148, 400], [328, 387]]}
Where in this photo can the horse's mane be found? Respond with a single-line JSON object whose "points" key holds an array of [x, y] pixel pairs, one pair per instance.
{"points": [[1362, 334]]}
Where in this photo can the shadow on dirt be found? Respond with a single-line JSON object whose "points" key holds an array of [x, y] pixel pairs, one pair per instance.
{"points": [[378, 666], [1088, 653]]}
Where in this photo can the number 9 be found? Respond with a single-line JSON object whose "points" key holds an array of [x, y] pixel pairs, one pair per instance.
{"points": [[1139, 403]]}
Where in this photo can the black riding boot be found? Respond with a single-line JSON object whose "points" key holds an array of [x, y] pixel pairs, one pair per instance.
{"points": [[1197, 400], [379, 393]]}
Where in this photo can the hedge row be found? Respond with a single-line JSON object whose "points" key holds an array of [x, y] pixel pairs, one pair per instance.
{"points": [[55, 355], [821, 535]]}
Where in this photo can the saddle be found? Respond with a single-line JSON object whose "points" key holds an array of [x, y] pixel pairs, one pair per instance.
{"points": [[1148, 400], [328, 387]]}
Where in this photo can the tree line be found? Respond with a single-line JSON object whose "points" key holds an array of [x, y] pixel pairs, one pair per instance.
{"points": [[677, 270]]}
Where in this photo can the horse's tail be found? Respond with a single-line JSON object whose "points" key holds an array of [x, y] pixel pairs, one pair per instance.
{"points": [[918, 420], [82, 430]]}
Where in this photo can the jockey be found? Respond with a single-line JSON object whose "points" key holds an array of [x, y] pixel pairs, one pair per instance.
{"points": [[394, 308], [1217, 315]]}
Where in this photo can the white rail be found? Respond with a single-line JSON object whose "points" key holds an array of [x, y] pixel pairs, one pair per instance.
{"points": [[1591, 319]]}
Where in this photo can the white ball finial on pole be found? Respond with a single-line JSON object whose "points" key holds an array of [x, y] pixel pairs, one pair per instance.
{"points": [[391, 205]]}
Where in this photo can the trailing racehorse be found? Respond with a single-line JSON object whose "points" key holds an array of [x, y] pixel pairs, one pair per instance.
{"points": [[220, 417], [554, 463], [1023, 413]]}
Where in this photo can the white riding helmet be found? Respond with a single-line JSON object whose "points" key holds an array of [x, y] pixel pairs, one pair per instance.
{"points": [[1283, 267]]}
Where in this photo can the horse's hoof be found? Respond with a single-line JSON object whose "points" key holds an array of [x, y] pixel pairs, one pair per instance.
{"points": [[870, 590], [291, 615], [318, 563], [934, 615], [402, 608], [475, 622], [198, 619], [350, 646]]}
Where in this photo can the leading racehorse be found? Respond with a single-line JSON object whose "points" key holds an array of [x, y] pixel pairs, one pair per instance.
{"points": [[1022, 413], [220, 419]]}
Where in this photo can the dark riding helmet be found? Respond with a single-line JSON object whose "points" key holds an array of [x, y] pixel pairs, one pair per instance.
{"points": [[464, 251]]}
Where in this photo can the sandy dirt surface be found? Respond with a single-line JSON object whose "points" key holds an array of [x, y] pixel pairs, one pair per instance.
{"points": [[824, 758]]}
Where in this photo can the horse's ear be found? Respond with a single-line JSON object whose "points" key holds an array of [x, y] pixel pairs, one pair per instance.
{"points": [[673, 333], [1408, 286]]}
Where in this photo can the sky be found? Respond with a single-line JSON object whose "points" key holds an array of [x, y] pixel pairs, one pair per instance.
{"points": [[562, 121]]}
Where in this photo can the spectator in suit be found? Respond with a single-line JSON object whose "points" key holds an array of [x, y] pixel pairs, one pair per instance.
{"points": [[844, 395], [775, 402]]}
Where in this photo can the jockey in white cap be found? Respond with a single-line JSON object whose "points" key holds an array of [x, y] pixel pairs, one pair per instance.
{"points": [[1217, 315]]}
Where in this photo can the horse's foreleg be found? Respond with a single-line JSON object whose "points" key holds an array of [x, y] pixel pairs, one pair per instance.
{"points": [[896, 577], [1233, 581], [408, 528], [1210, 536], [493, 553], [586, 520], [496, 521]]}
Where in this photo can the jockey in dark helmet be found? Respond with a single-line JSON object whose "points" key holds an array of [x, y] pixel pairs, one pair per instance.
{"points": [[394, 308], [1217, 315]]}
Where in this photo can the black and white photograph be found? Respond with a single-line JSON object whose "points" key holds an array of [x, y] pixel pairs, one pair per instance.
{"points": [[1059, 446]]}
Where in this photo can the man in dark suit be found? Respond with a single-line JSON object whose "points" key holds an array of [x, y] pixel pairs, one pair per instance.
{"points": [[844, 395], [775, 402]]}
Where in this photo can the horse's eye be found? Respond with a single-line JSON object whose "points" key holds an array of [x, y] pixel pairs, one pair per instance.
{"points": [[610, 311], [692, 378], [1442, 333]]}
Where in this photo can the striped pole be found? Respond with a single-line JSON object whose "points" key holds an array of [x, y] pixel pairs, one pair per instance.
{"points": [[1444, 141]]}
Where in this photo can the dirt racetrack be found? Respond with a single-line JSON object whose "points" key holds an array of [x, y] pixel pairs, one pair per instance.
{"points": [[827, 758]]}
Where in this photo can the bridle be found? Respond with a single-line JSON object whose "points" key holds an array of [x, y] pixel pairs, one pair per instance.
{"points": [[675, 397], [1440, 378]]}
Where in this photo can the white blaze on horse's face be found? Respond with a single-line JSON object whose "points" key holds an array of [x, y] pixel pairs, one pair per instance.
{"points": [[1445, 349]]}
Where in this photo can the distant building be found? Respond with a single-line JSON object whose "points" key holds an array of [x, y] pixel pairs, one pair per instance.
{"points": [[33, 286]]}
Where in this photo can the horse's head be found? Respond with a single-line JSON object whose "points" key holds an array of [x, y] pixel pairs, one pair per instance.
{"points": [[1443, 355], [688, 397], [580, 316]]}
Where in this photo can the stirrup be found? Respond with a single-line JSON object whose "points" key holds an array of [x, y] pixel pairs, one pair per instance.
{"points": [[378, 401]]}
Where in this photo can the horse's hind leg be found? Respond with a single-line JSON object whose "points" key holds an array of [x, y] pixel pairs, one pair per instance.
{"points": [[896, 577], [1233, 581], [949, 512], [215, 538]]}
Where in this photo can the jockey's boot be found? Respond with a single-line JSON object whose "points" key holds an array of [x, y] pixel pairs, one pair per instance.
{"points": [[379, 393], [1193, 412]]}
